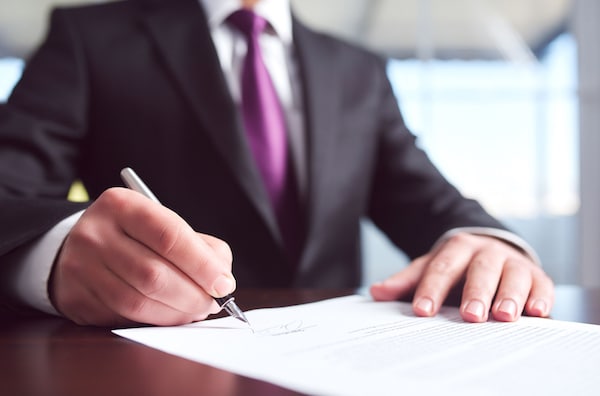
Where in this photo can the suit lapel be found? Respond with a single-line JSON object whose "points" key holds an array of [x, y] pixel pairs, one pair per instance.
{"points": [[183, 38], [322, 107]]}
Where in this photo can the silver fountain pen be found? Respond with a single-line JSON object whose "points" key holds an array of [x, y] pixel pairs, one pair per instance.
{"points": [[132, 181]]}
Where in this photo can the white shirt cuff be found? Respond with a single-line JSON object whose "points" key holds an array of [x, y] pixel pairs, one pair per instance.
{"points": [[504, 235], [35, 265]]}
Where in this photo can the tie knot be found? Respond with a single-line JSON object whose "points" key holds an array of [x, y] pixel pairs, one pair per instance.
{"points": [[248, 22]]}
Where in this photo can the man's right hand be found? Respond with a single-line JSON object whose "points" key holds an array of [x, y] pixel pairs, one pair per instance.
{"points": [[129, 259]]}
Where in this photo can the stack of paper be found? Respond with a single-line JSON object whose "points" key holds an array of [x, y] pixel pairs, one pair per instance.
{"points": [[355, 346]]}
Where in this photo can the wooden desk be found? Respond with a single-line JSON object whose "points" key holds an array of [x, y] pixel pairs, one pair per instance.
{"points": [[50, 356]]}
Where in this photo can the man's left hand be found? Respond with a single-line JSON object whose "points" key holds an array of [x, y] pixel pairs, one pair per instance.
{"points": [[498, 278]]}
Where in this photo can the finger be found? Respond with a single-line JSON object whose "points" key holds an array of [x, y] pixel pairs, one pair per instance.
{"points": [[513, 290], [443, 271], [76, 301], [480, 286], [541, 296], [129, 303], [135, 264], [86, 309], [154, 277], [220, 248], [163, 231], [400, 284], [76, 266]]}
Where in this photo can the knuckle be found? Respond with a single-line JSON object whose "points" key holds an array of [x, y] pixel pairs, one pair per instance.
{"points": [[460, 238], [116, 199], [223, 250], [136, 307], [520, 264], [84, 236], [168, 238], [441, 265], [153, 279], [484, 264]]}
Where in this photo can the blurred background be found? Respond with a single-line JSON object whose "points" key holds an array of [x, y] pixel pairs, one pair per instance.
{"points": [[503, 94]]}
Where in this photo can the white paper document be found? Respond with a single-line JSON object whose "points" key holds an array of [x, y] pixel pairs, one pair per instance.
{"points": [[355, 346]]}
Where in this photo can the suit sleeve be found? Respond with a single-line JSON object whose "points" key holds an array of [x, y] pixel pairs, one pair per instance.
{"points": [[411, 201], [41, 130]]}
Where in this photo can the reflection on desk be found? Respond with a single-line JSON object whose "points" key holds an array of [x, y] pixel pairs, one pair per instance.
{"points": [[42, 355]]}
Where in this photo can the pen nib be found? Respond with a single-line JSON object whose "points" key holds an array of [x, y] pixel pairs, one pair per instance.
{"points": [[234, 311]]}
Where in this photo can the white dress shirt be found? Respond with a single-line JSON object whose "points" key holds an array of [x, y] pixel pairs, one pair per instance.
{"points": [[278, 55], [35, 263]]}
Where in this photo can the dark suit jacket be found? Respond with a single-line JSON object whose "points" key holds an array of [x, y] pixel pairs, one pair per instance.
{"points": [[138, 83]]}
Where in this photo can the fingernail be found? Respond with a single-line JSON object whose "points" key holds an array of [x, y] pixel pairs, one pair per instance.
{"points": [[539, 307], [508, 307], [425, 305], [223, 286], [475, 308]]}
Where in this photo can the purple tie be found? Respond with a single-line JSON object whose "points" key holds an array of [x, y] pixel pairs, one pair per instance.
{"points": [[266, 129]]}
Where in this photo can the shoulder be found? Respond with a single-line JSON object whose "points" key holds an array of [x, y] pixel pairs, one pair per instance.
{"points": [[95, 10], [345, 51], [114, 16], [121, 7]]}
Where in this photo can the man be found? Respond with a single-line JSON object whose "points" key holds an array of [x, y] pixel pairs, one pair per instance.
{"points": [[155, 85]]}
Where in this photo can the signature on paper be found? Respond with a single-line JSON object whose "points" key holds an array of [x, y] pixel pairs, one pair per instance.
{"points": [[296, 326]]}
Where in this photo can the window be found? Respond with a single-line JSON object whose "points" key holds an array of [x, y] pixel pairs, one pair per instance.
{"points": [[10, 72], [506, 135]]}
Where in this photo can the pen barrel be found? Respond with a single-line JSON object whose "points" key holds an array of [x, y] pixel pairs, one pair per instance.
{"points": [[133, 181]]}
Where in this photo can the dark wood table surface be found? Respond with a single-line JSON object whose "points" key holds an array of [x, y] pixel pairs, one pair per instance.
{"points": [[43, 355]]}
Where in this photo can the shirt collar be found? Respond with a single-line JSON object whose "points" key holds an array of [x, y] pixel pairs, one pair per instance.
{"points": [[276, 12]]}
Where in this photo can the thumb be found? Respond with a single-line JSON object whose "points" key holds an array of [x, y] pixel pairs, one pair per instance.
{"points": [[402, 283]]}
